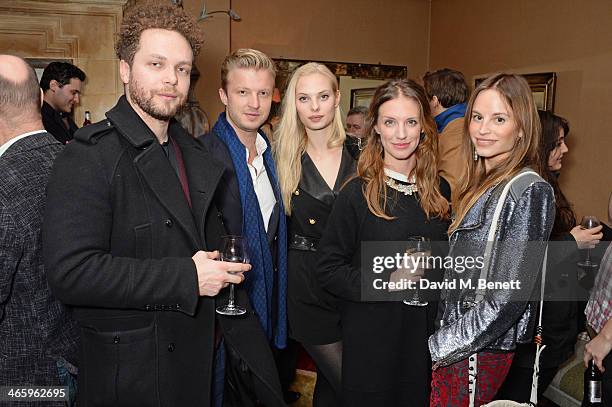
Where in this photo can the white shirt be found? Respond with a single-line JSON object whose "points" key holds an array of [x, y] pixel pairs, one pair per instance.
{"points": [[12, 141], [261, 182]]}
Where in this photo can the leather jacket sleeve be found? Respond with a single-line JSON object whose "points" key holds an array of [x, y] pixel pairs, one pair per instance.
{"points": [[523, 229]]}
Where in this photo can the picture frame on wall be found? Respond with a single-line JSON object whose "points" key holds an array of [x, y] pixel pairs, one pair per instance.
{"points": [[542, 88], [285, 67], [362, 97], [39, 64]]}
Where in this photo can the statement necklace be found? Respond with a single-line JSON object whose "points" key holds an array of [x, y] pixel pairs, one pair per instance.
{"points": [[407, 188]]}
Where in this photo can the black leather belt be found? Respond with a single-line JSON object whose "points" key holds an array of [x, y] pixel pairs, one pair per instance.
{"points": [[298, 242]]}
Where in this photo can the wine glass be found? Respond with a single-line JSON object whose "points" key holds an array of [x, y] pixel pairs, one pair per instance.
{"points": [[234, 250], [419, 248], [588, 222]]}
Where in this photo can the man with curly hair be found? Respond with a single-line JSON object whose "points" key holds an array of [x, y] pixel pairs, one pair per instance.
{"points": [[130, 229]]}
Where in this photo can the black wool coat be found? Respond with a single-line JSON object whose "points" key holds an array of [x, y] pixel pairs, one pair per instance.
{"points": [[119, 236]]}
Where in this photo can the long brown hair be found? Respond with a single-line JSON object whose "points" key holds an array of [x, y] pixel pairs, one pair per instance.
{"points": [[370, 166], [516, 93], [565, 218]]}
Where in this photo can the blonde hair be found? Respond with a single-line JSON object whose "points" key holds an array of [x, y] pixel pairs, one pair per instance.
{"points": [[246, 58], [515, 92], [290, 137], [371, 167]]}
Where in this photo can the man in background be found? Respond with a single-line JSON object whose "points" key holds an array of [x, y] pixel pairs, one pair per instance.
{"points": [[61, 83], [355, 130], [448, 93], [38, 339]]}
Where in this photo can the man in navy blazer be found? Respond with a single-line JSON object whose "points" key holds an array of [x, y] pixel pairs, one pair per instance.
{"points": [[38, 339]]}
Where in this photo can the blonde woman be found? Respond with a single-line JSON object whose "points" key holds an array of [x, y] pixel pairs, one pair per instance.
{"points": [[312, 166], [501, 139]]}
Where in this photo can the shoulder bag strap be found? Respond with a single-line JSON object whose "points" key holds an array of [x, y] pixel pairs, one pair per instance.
{"points": [[473, 359]]}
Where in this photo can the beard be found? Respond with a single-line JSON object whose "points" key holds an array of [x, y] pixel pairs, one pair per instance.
{"points": [[145, 100]]}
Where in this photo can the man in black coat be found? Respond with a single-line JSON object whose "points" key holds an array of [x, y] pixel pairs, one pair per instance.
{"points": [[61, 83], [38, 341], [128, 229]]}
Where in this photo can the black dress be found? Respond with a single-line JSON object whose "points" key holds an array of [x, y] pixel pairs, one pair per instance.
{"points": [[385, 358], [313, 315]]}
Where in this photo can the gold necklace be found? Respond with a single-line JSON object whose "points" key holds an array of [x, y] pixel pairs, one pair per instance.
{"points": [[406, 189]]}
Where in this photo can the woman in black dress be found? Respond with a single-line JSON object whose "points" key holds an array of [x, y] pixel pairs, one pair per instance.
{"points": [[397, 195], [312, 166]]}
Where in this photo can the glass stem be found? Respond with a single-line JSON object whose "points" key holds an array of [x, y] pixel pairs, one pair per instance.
{"points": [[588, 256], [231, 296]]}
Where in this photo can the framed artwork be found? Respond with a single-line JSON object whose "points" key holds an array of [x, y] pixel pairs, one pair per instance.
{"points": [[542, 88], [362, 97], [39, 64], [285, 68]]}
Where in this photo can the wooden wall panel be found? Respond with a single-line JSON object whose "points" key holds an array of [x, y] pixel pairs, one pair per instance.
{"points": [[81, 30]]}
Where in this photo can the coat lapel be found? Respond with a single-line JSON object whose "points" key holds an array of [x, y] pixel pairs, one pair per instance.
{"points": [[157, 172], [312, 181], [203, 174], [155, 168]]}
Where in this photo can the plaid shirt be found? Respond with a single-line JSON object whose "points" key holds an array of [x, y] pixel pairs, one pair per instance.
{"points": [[599, 308]]}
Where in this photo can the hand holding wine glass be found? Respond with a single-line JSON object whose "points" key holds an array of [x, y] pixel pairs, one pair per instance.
{"points": [[215, 275], [233, 251], [586, 238], [589, 222]]}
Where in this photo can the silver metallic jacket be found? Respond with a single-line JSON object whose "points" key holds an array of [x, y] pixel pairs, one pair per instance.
{"points": [[504, 317]]}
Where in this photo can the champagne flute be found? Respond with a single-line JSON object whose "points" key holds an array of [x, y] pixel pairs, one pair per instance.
{"points": [[233, 249], [419, 248], [588, 222]]}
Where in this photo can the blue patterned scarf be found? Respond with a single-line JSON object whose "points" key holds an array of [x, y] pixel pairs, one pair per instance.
{"points": [[259, 282]]}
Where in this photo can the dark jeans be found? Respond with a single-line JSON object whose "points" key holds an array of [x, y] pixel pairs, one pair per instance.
{"points": [[286, 362]]}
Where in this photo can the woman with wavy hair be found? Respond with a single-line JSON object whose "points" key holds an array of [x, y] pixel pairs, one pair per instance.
{"points": [[312, 166], [397, 195], [480, 328]]}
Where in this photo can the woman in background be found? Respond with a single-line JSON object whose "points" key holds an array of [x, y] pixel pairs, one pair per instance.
{"points": [[312, 166], [560, 313], [479, 330], [396, 196]]}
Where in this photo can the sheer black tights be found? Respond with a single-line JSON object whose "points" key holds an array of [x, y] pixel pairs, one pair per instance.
{"points": [[328, 359]]}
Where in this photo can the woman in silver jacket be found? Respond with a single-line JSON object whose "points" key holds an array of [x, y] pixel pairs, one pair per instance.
{"points": [[484, 319]]}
